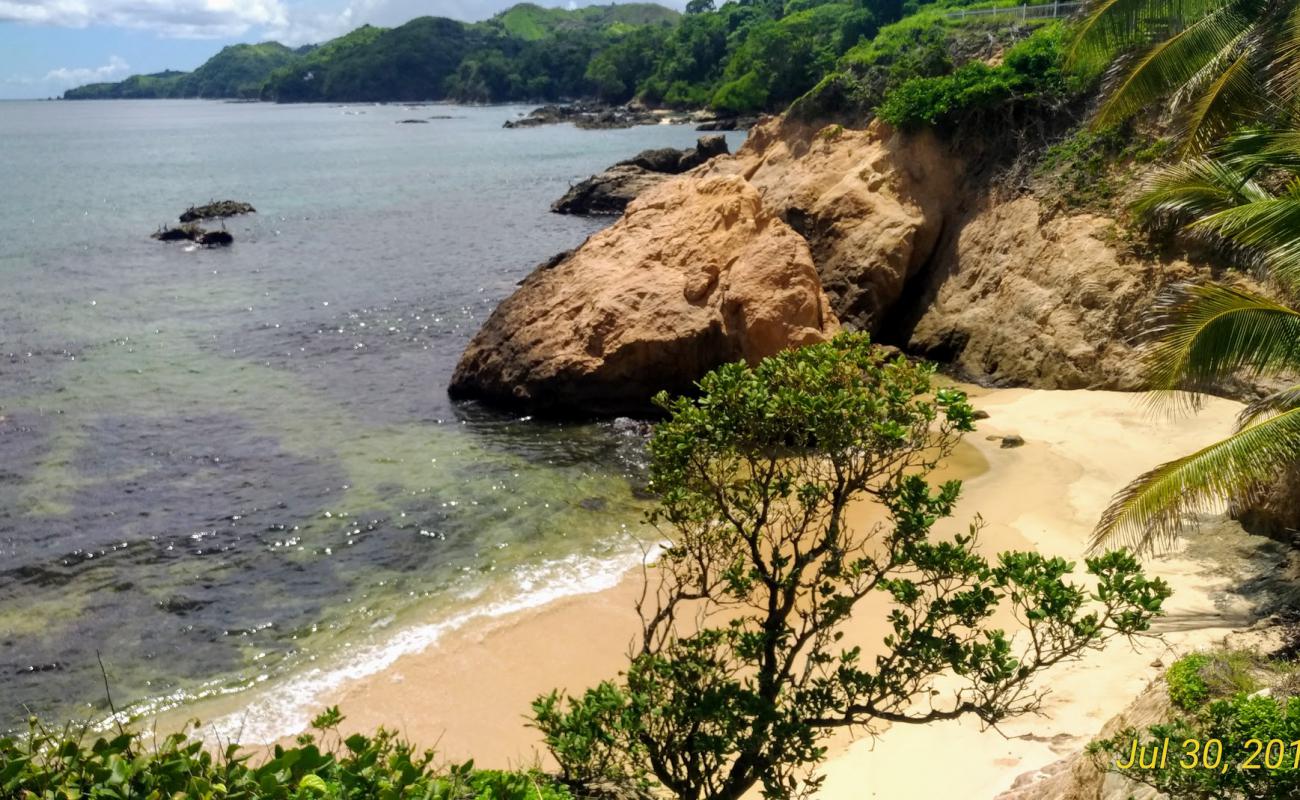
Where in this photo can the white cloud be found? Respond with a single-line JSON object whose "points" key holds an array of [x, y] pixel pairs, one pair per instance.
{"points": [[76, 76], [179, 18]]}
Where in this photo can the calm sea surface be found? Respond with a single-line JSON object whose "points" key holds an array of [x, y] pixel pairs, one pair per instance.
{"points": [[218, 467]]}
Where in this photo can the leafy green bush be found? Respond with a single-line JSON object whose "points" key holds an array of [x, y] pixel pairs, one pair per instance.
{"points": [[66, 764], [1187, 689], [755, 476], [1242, 748], [1031, 71]]}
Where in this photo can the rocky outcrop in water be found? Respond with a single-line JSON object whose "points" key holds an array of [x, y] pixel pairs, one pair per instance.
{"points": [[695, 274], [610, 191], [190, 232], [597, 116], [215, 210], [726, 124]]}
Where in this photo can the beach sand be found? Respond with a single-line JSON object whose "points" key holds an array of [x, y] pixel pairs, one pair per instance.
{"points": [[468, 694]]}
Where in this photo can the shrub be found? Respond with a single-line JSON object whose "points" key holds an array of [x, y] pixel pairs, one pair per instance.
{"points": [[1187, 689], [66, 764], [1031, 71], [755, 478]]}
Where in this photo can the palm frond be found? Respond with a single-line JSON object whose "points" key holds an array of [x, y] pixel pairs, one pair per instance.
{"points": [[1153, 508], [1269, 227], [1272, 405], [1207, 332], [1197, 187], [1286, 58], [1234, 96], [1111, 25], [1174, 62], [1255, 149]]}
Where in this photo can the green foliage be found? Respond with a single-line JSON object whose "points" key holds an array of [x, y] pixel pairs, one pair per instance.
{"points": [[1030, 72], [66, 764], [1187, 689], [755, 476], [1197, 677], [1224, 740], [1246, 197], [739, 57]]}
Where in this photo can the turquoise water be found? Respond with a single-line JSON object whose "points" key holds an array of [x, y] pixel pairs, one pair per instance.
{"points": [[217, 466]]}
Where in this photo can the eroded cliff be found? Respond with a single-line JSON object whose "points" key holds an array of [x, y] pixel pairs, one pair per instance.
{"points": [[889, 232]]}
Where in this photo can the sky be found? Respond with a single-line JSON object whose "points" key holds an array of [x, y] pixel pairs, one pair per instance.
{"points": [[47, 46]]}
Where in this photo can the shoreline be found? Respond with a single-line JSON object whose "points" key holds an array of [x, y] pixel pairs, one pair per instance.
{"points": [[466, 691]]}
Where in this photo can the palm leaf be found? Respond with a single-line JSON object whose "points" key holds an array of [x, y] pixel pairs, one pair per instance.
{"points": [[1231, 98], [1152, 509], [1252, 150], [1205, 333], [1176, 63], [1269, 227], [1272, 405], [1198, 187], [1111, 25]]}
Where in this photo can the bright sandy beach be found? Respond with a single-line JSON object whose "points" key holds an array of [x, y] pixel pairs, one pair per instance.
{"points": [[467, 695]]}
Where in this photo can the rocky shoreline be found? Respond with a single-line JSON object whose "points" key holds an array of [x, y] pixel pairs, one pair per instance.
{"points": [[591, 115], [610, 191], [888, 226]]}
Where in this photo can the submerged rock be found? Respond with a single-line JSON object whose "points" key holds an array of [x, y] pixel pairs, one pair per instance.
{"points": [[413, 121], [610, 191], [215, 209], [695, 274]]}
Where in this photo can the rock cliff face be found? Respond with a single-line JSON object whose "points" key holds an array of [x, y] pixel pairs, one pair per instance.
{"points": [[871, 203], [731, 259], [1016, 299], [696, 273]]}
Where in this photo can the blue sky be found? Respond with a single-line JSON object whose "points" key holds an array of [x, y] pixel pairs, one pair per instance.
{"points": [[47, 46]]}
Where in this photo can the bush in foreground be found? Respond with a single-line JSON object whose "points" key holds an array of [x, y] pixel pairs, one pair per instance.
{"points": [[66, 764], [1226, 738], [745, 663]]}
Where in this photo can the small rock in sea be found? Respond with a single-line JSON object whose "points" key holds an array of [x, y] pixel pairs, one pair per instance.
{"points": [[593, 503], [215, 238], [980, 414], [187, 233], [193, 233], [215, 209], [413, 122], [1012, 441]]}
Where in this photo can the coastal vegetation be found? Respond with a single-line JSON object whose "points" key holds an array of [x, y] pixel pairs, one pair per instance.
{"points": [[738, 57], [1233, 733], [747, 661], [1241, 195], [70, 762]]}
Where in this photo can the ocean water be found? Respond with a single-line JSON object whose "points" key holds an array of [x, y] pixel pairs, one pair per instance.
{"points": [[225, 467]]}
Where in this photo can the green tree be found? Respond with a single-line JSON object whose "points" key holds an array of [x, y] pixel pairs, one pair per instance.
{"points": [[1205, 334], [743, 666]]}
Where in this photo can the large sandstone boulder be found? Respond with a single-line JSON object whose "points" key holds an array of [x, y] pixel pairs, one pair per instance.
{"points": [[871, 203], [696, 273], [1015, 299]]}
